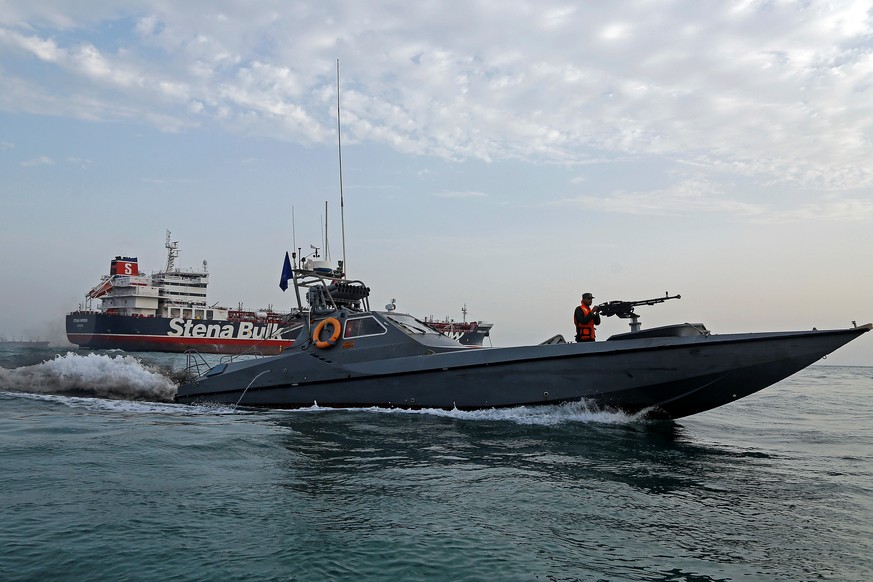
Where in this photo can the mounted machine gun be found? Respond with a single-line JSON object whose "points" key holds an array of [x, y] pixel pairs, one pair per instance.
{"points": [[625, 309]]}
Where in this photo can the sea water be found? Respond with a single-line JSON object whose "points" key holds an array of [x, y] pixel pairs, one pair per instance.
{"points": [[103, 477]]}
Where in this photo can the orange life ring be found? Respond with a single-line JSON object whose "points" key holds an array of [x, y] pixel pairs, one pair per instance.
{"points": [[331, 341]]}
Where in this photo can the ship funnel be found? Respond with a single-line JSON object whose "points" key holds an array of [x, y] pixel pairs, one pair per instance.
{"points": [[124, 266]]}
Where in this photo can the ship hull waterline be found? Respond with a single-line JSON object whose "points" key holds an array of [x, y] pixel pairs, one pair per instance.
{"points": [[660, 377]]}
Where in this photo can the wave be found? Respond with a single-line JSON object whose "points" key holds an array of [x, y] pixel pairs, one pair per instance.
{"points": [[547, 415], [133, 406], [93, 375]]}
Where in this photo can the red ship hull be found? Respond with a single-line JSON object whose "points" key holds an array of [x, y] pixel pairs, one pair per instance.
{"points": [[100, 331]]}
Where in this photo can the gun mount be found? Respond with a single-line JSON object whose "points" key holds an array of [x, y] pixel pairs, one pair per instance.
{"points": [[625, 309]]}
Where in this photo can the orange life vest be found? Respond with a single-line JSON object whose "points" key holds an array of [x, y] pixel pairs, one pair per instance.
{"points": [[585, 331]]}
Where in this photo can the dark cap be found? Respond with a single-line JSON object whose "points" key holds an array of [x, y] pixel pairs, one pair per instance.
{"points": [[587, 296]]}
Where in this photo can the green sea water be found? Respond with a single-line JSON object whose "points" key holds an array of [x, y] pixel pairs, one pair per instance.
{"points": [[103, 478]]}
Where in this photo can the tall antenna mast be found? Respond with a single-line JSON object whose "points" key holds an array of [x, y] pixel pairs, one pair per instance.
{"points": [[340, 144], [326, 236]]}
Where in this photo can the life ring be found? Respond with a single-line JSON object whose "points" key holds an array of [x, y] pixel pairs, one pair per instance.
{"points": [[331, 341]]}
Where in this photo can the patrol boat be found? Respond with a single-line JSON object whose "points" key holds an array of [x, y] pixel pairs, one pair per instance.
{"points": [[349, 355]]}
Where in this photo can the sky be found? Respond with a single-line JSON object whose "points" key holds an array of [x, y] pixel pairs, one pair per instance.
{"points": [[504, 156]]}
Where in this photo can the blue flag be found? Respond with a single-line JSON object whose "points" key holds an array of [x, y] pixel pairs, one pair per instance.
{"points": [[287, 273]]}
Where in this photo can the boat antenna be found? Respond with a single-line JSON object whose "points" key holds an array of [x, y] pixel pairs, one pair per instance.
{"points": [[326, 237], [340, 146], [293, 233]]}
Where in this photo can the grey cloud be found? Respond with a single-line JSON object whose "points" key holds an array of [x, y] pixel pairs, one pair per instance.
{"points": [[780, 90]]}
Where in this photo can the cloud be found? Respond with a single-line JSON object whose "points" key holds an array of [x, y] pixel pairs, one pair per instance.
{"points": [[40, 161], [696, 195], [83, 163], [829, 210], [164, 181], [778, 91], [458, 194], [691, 196]]}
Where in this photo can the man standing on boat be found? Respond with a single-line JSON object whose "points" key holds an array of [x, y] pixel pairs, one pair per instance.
{"points": [[586, 317]]}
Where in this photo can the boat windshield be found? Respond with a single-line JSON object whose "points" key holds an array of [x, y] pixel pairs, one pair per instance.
{"points": [[363, 326], [411, 325]]}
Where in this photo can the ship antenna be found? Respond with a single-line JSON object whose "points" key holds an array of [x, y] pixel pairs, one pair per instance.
{"points": [[340, 146], [172, 252]]}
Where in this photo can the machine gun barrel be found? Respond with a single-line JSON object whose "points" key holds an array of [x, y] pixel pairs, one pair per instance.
{"points": [[625, 309]]}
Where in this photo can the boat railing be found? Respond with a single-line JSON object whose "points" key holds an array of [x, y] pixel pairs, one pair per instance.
{"points": [[195, 364]]}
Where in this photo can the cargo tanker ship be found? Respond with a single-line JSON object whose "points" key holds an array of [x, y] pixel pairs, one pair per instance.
{"points": [[167, 311]]}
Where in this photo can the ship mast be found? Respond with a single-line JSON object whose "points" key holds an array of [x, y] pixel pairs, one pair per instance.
{"points": [[172, 252]]}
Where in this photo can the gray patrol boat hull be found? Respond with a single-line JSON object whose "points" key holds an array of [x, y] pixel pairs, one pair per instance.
{"points": [[674, 375]]}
